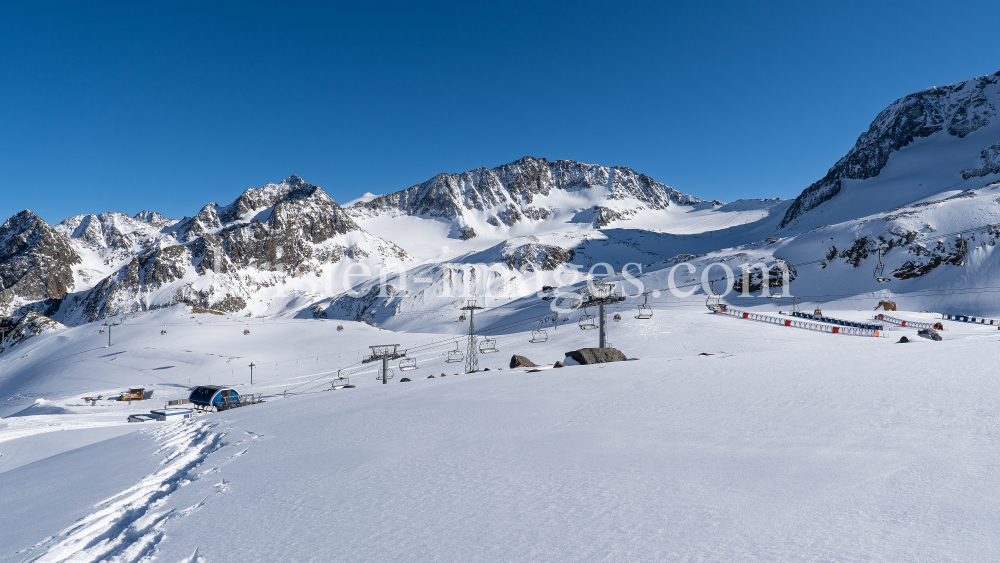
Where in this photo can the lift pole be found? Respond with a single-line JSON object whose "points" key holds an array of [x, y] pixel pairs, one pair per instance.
{"points": [[601, 294], [472, 356], [252, 365], [384, 352], [109, 325]]}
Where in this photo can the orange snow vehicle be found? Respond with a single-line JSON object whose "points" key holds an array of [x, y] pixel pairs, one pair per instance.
{"points": [[133, 394]]}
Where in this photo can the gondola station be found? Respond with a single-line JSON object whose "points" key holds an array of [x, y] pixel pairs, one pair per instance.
{"points": [[220, 398]]}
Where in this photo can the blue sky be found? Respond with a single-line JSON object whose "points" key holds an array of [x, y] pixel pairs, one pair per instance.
{"points": [[131, 106]]}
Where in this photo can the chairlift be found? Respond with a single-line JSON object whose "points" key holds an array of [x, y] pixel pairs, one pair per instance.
{"points": [[101, 331], [340, 328], [587, 321], [714, 300], [163, 332], [618, 318], [455, 355], [246, 331], [645, 311], [772, 295], [407, 363], [379, 376], [488, 345], [880, 267], [539, 334], [461, 318]]}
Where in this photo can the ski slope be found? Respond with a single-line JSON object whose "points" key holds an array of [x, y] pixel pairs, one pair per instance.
{"points": [[723, 439]]}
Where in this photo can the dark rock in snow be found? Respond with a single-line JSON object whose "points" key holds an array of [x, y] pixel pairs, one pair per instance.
{"points": [[558, 365], [521, 362], [903, 340], [404, 380], [587, 356]]}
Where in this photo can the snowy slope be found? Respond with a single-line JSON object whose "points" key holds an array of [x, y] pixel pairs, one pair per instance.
{"points": [[780, 444]]}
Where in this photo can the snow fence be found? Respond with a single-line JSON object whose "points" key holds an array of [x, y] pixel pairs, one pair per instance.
{"points": [[794, 323], [969, 319], [901, 322]]}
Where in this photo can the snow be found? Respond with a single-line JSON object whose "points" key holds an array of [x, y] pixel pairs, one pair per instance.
{"points": [[782, 444]]}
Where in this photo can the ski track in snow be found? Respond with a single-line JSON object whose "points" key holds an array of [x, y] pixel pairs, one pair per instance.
{"points": [[127, 527]]}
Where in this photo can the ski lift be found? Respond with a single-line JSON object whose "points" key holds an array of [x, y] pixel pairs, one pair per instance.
{"points": [[379, 376], [461, 318], [407, 364], [340, 328], [645, 311], [101, 331], [539, 334], [246, 331], [714, 300], [489, 345], [618, 318], [455, 355], [163, 332], [587, 321], [772, 295], [880, 267], [795, 306]]}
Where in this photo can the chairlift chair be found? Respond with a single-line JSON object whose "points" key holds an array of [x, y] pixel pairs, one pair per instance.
{"points": [[162, 332], [101, 331], [246, 331], [880, 267], [539, 334], [340, 328], [488, 345], [618, 317], [455, 356], [461, 318], [379, 376], [645, 311], [714, 300], [587, 321], [407, 364]]}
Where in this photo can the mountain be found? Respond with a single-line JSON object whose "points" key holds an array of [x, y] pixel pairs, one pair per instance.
{"points": [[936, 138], [928, 164], [36, 263], [223, 257], [528, 189]]}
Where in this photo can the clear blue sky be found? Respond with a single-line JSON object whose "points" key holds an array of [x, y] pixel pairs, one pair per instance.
{"points": [[129, 106]]}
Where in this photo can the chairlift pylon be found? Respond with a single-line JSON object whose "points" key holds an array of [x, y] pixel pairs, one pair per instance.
{"points": [[587, 321], [488, 345], [645, 311], [539, 334], [455, 356], [880, 267]]}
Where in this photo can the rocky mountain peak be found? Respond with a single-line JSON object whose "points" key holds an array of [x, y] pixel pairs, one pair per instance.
{"points": [[960, 109], [515, 191]]}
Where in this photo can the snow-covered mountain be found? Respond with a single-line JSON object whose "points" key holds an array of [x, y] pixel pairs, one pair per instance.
{"points": [[920, 145], [928, 164]]}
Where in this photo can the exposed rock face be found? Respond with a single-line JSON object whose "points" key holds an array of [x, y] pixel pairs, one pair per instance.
{"points": [[990, 159], [958, 109], [22, 327], [468, 233], [521, 362], [585, 356], [36, 262], [508, 191]]}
